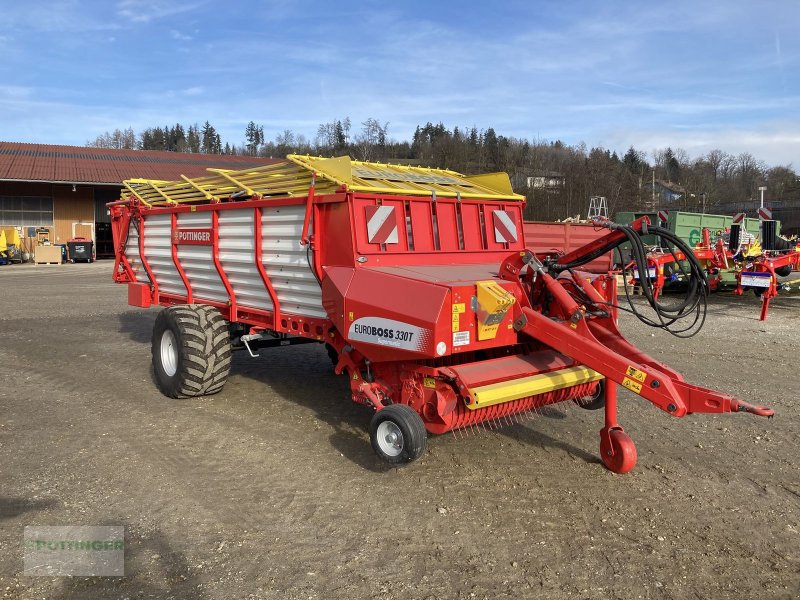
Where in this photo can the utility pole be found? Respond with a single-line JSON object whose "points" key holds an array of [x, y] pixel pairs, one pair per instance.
{"points": [[654, 191]]}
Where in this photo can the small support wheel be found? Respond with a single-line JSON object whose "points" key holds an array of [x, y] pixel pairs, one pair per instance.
{"points": [[594, 401], [617, 450], [398, 434]]}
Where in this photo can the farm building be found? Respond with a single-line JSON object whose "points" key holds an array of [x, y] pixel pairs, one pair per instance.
{"points": [[60, 192]]}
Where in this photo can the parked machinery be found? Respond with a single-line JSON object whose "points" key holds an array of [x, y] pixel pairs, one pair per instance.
{"points": [[419, 282], [735, 253], [760, 263]]}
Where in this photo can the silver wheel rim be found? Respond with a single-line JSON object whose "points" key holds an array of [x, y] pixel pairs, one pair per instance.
{"points": [[169, 353], [390, 438]]}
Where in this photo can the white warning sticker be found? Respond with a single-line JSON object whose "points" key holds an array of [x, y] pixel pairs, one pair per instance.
{"points": [[461, 338], [757, 279]]}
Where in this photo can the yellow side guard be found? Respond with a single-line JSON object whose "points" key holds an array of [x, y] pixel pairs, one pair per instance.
{"points": [[493, 304], [506, 391]]}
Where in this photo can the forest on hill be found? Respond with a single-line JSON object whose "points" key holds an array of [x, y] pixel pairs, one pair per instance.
{"points": [[558, 178]]}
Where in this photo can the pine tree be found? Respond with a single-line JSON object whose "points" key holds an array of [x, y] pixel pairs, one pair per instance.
{"points": [[254, 134], [193, 139], [209, 139]]}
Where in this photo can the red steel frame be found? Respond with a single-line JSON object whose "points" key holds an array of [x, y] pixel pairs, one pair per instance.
{"points": [[177, 262], [233, 316], [460, 233], [259, 242]]}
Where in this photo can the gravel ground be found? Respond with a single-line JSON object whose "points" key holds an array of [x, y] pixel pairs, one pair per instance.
{"points": [[270, 489]]}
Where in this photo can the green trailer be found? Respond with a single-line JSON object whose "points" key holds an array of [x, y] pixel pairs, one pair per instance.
{"points": [[689, 226]]}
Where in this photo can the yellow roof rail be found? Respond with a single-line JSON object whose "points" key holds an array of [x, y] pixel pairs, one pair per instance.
{"points": [[293, 177]]}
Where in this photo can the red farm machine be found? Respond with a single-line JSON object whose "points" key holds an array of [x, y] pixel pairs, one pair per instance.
{"points": [[756, 263], [419, 282]]}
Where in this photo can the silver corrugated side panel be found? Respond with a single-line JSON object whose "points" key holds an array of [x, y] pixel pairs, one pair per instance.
{"points": [[237, 255], [158, 251], [284, 258], [198, 262], [287, 262]]}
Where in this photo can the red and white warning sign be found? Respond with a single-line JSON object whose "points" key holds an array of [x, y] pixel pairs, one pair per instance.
{"points": [[765, 214], [739, 217], [663, 215], [505, 229], [381, 225]]}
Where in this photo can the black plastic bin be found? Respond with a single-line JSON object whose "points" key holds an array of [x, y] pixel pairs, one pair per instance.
{"points": [[80, 249]]}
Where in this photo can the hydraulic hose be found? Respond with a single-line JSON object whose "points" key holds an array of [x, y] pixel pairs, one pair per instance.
{"points": [[694, 303]]}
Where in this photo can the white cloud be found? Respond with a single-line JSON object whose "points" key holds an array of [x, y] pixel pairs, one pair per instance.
{"points": [[15, 93], [181, 37], [776, 143], [52, 16], [144, 11]]}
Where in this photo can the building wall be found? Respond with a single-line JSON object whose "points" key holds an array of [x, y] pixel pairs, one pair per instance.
{"points": [[68, 207], [72, 207], [12, 188]]}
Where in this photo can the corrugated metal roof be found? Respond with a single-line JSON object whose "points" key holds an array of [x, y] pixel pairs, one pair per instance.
{"points": [[76, 164]]}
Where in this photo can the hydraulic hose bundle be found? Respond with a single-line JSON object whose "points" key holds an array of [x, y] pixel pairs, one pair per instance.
{"points": [[692, 305]]}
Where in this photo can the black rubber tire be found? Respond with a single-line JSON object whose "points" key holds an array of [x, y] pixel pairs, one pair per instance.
{"points": [[596, 401], [203, 351], [414, 435], [784, 271]]}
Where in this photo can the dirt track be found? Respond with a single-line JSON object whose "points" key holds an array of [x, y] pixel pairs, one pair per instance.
{"points": [[270, 489]]}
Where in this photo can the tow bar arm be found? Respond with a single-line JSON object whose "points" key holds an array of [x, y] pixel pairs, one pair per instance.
{"points": [[668, 392], [615, 357]]}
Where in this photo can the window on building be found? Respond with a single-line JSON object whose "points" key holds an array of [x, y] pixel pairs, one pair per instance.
{"points": [[28, 211]]}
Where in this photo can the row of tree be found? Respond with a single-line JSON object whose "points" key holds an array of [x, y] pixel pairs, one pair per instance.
{"points": [[578, 172]]}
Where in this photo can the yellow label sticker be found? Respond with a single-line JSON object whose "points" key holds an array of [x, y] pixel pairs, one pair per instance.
{"points": [[632, 385], [636, 374], [456, 323], [459, 308], [350, 314], [429, 382]]}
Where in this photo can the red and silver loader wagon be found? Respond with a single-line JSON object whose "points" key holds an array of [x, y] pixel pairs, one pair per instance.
{"points": [[417, 280]]}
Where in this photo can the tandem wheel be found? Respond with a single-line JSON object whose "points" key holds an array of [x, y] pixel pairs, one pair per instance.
{"points": [[398, 434], [191, 351]]}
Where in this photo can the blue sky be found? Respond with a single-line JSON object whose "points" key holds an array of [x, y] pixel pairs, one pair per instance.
{"points": [[696, 75]]}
